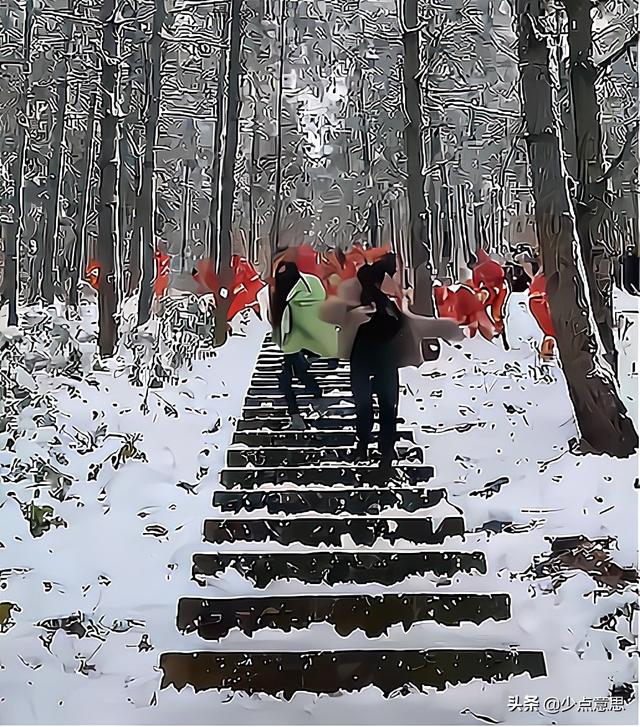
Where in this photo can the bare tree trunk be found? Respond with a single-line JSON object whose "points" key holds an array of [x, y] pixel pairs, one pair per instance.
{"points": [[590, 204], [225, 250], [145, 209], [216, 180], [11, 280], [52, 205], [274, 236], [83, 203], [365, 141], [108, 195], [185, 216], [253, 163], [601, 415], [442, 240], [419, 245], [126, 198]]}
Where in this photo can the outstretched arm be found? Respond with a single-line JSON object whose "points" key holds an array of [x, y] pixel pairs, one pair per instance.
{"points": [[444, 328]]}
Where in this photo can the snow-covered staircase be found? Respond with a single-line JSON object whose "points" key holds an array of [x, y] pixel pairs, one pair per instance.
{"points": [[326, 543]]}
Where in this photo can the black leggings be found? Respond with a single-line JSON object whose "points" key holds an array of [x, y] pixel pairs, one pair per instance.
{"points": [[369, 377], [296, 364]]}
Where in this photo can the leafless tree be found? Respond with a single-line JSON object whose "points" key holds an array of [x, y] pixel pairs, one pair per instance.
{"points": [[602, 419]]}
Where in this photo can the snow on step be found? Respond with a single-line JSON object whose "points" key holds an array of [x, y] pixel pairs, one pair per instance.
{"points": [[329, 501], [327, 438], [300, 456], [339, 566], [336, 390], [213, 618], [280, 411], [331, 531], [321, 672], [326, 474]]}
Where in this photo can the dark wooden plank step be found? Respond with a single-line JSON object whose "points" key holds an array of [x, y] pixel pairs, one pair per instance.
{"points": [[325, 382], [333, 394], [391, 671], [336, 438], [272, 393], [301, 456], [213, 618], [329, 502], [271, 365], [336, 567], [280, 411], [271, 377], [330, 531], [349, 476], [323, 423], [327, 389]]}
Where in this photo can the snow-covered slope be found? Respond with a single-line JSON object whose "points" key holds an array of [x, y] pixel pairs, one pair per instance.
{"points": [[133, 511]]}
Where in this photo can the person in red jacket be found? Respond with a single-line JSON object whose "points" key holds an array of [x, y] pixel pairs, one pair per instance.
{"points": [[489, 281], [539, 307]]}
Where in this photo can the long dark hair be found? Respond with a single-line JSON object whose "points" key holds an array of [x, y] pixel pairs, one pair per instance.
{"points": [[370, 278], [285, 277], [387, 264]]}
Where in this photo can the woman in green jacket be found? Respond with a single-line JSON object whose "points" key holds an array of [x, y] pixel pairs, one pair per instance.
{"points": [[298, 330]]}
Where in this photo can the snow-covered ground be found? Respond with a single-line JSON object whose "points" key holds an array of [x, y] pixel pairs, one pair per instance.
{"points": [[131, 519]]}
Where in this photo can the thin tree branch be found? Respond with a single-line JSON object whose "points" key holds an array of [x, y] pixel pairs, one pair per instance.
{"points": [[624, 152], [616, 55]]}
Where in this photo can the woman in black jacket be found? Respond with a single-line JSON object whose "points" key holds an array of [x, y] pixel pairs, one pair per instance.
{"points": [[374, 363]]}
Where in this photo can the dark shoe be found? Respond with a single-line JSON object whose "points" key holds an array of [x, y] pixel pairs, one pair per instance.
{"points": [[361, 454], [297, 423], [320, 405], [386, 469], [386, 460]]}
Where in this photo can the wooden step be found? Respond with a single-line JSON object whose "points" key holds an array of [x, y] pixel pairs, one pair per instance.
{"points": [[327, 390], [303, 399], [330, 502], [326, 422], [278, 424], [343, 385], [280, 411], [318, 672], [304, 456], [213, 618], [328, 438], [274, 366], [336, 567], [271, 378], [330, 531], [330, 475], [272, 394]]}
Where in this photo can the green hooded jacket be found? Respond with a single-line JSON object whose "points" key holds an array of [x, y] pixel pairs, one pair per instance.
{"points": [[301, 327]]}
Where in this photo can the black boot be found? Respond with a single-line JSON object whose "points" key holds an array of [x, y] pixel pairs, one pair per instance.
{"points": [[386, 462], [360, 455]]}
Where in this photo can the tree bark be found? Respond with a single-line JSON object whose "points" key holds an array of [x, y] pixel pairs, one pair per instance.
{"points": [[186, 202], [274, 236], [419, 245], [11, 280], [365, 140], [216, 180], [108, 194], [145, 209], [225, 250], [83, 204], [590, 205], [601, 415], [53, 176], [253, 165]]}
